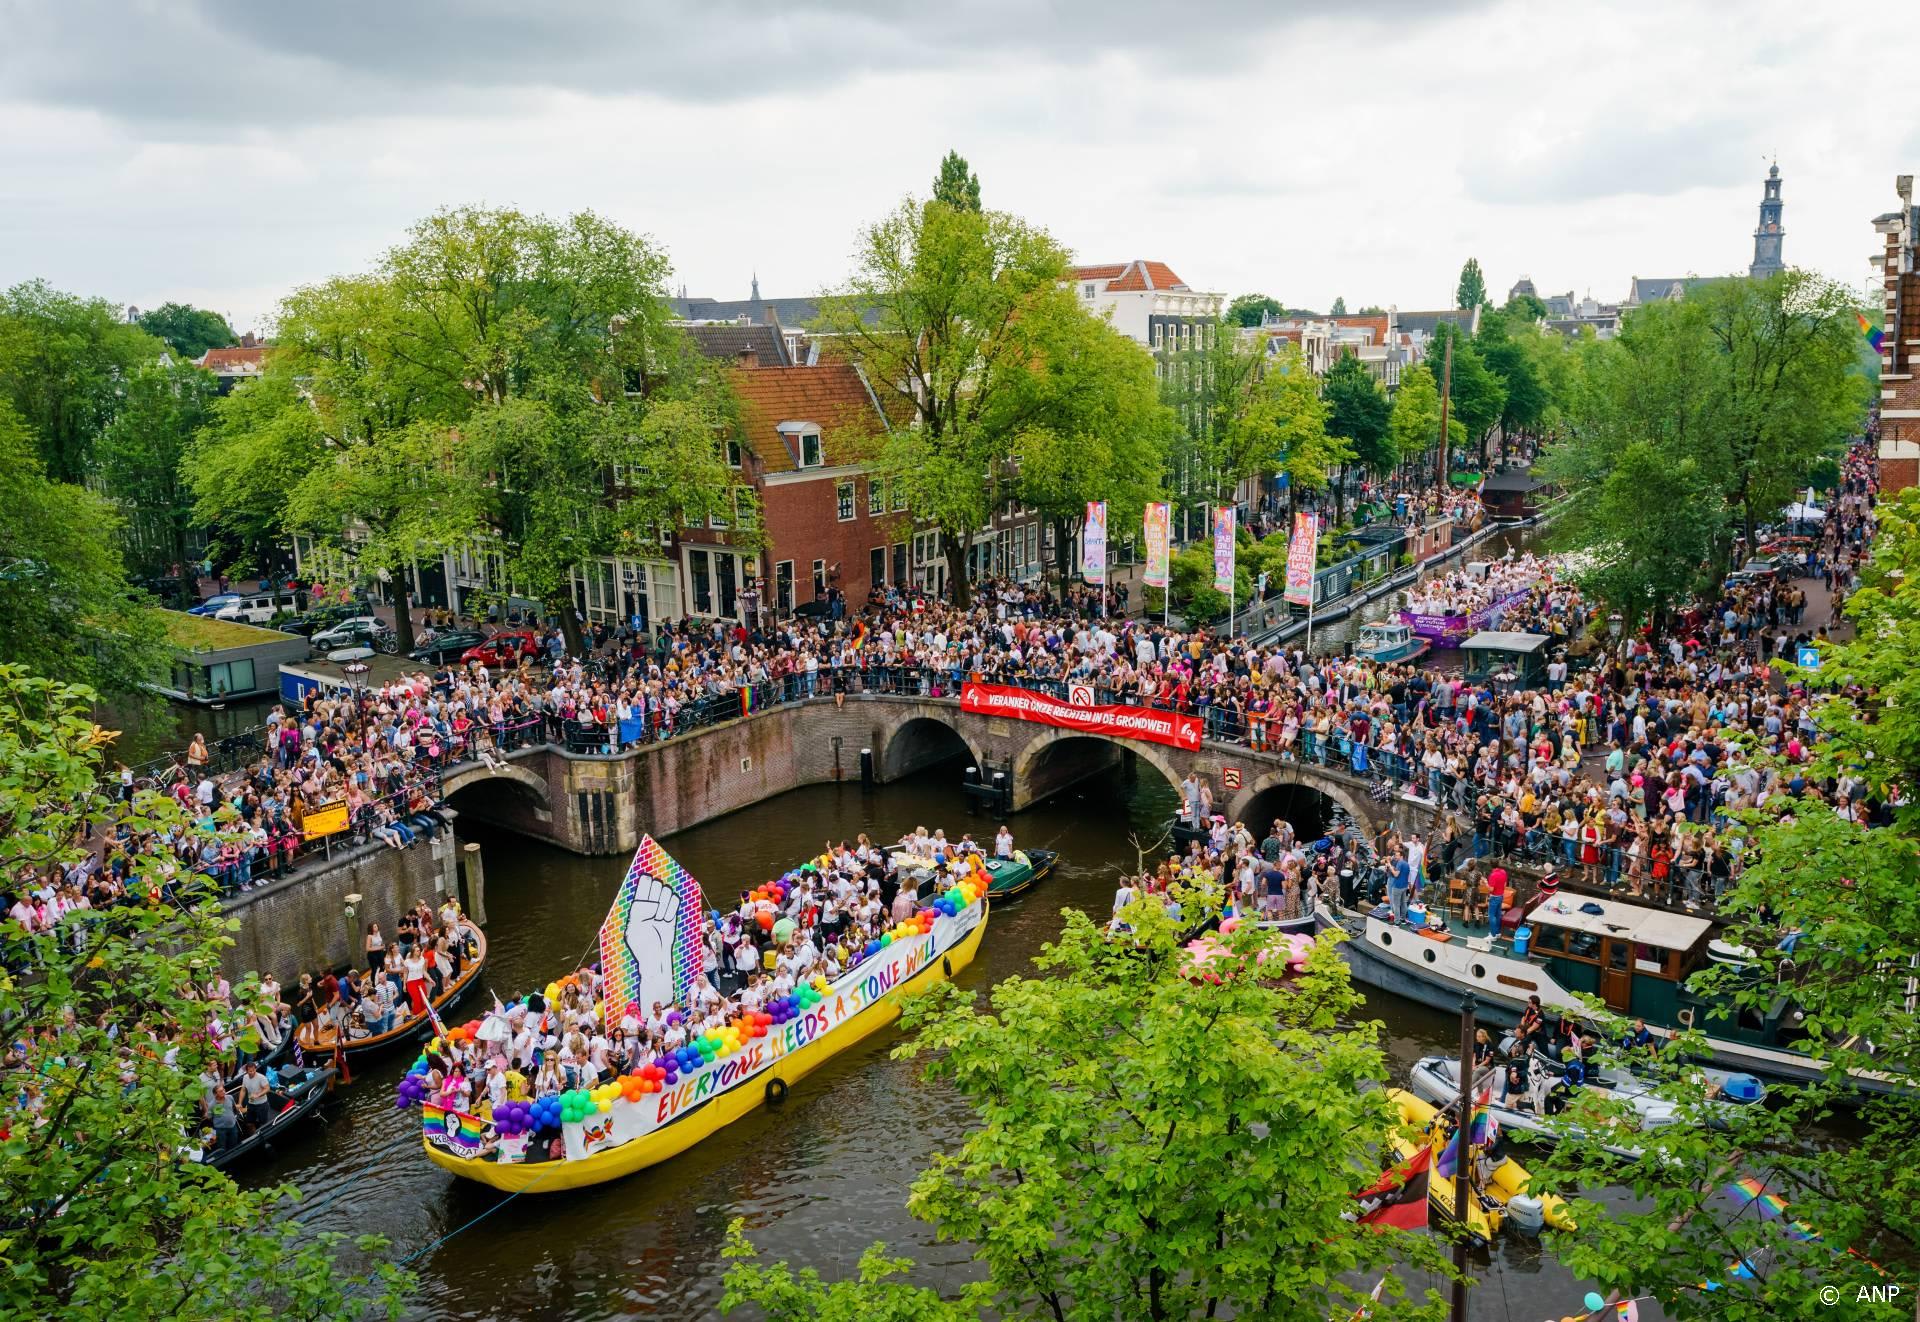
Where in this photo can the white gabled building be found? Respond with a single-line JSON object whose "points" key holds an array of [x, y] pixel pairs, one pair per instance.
{"points": [[1147, 302]]}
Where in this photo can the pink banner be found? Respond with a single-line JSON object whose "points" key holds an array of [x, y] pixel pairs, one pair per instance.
{"points": [[1223, 549], [1301, 552], [1157, 727], [1157, 526]]}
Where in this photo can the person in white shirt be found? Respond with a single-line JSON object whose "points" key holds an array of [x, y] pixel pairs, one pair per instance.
{"points": [[1003, 843]]}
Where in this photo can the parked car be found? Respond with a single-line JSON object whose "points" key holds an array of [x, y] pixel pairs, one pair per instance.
{"points": [[259, 607], [311, 622], [215, 604], [360, 631], [504, 649], [453, 645]]}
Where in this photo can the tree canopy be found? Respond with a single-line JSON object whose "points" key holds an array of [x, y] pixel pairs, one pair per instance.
{"points": [[1477, 395], [63, 362], [1147, 1144], [141, 465], [1252, 309], [1413, 427], [1358, 409], [956, 185], [188, 331], [1339, 308], [1471, 291], [101, 1214]]}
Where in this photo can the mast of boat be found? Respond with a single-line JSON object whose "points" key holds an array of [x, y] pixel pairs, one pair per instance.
{"points": [[1463, 1154]]}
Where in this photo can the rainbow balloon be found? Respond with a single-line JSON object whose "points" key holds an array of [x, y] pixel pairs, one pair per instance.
{"points": [[652, 866]]}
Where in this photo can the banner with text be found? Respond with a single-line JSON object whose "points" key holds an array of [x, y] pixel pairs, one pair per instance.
{"points": [[1157, 526], [1157, 727], [1093, 543], [1300, 559], [1223, 548]]}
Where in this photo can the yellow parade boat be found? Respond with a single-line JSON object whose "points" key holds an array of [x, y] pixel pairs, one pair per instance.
{"points": [[629, 1134], [1489, 1201]]}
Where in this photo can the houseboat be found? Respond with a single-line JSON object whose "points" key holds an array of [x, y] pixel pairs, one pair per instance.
{"points": [[1516, 660], [1635, 960]]}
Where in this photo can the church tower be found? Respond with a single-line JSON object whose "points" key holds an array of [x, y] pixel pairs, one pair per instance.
{"points": [[1766, 239]]}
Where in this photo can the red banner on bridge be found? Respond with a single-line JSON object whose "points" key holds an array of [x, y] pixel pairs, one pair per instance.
{"points": [[1159, 727]]}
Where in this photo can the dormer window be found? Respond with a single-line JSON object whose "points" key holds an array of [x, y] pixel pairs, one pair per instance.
{"points": [[811, 455]]}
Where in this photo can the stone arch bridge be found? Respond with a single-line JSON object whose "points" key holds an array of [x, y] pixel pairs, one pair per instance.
{"points": [[601, 804]]}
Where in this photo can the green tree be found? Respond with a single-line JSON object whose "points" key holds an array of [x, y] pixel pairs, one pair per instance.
{"points": [[1358, 409], [1371, 310], [1850, 895], [1476, 393], [1525, 307], [63, 362], [948, 312], [1471, 291], [1660, 520], [261, 442], [956, 185], [1414, 425], [1507, 351], [1097, 430], [141, 466], [1289, 418], [1756, 380], [1339, 308], [66, 607], [1252, 309], [101, 1215], [1152, 1145], [188, 330]]}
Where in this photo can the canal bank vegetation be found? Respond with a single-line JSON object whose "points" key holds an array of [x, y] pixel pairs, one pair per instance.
{"points": [[102, 1212], [1828, 911], [1145, 1144]]}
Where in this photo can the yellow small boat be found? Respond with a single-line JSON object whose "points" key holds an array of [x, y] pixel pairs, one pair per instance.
{"points": [[848, 1017], [1508, 1181]]}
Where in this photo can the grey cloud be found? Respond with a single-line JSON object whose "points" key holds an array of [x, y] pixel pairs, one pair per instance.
{"points": [[1610, 159], [178, 64]]}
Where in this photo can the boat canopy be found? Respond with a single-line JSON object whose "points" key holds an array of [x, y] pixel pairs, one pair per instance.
{"points": [[1625, 922], [1385, 634]]}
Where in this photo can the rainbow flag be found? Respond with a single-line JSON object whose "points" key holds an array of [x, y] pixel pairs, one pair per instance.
{"points": [[1749, 1190], [1875, 335], [1481, 1130], [669, 937], [464, 1130], [746, 699]]}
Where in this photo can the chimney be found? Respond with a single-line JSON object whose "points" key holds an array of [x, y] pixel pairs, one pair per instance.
{"points": [[748, 358]]}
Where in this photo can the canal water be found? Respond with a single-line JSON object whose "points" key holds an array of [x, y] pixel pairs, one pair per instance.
{"points": [[817, 1181]]}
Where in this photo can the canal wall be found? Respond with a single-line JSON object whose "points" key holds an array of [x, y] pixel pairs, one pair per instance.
{"points": [[301, 923]]}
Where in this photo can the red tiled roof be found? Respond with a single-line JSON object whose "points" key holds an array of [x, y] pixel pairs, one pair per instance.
{"points": [[1378, 325], [1147, 275], [1107, 272], [234, 360], [830, 394]]}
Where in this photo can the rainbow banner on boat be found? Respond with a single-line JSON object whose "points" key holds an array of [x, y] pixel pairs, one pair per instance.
{"points": [[650, 941], [453, 1129]]}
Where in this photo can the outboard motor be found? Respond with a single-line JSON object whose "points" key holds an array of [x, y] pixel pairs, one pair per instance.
{"points": [[1527, 1212]]}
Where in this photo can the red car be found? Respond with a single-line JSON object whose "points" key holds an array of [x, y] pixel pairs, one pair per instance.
{"points": [[503, 649]]}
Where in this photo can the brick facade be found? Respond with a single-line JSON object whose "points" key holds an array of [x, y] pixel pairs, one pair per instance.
{"points": [[1899, 444]]}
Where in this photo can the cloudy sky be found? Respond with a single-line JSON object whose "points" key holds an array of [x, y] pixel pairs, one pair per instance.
{"points": [[223, 154]]}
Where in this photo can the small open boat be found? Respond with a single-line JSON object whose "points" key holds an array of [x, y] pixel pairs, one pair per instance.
{"points": [[1503, 1195], [316, 1039], [1013, 875], [293, 1100], [1390, 642]]}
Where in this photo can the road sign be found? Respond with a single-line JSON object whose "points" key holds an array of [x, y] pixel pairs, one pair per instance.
{"points": [[1807, 657], [1080, 695], [1230, 777]]}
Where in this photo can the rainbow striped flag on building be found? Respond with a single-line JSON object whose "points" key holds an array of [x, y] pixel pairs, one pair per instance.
{"points": [[746, 699], [1876, 336]]}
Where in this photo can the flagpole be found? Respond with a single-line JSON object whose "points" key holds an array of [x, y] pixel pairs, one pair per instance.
{"points": [[1463, 1155]]}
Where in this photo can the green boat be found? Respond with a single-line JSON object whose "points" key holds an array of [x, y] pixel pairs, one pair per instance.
{"points": [[1013, 875]]}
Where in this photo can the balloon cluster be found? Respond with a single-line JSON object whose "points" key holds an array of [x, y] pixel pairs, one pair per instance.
{"points": [[918, 925], [511, 1118], [547, 1112], [646, 1079], [962, 893], [781, 1009], [576, 1105], [413, 1088]]}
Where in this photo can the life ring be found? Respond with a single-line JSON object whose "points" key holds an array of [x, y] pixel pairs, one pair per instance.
{"points": [[776, 1091]]}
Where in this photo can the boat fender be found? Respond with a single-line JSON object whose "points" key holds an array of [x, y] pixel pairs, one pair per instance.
{"points": [[1527, 1212], [946, 966], [776, 1091]]}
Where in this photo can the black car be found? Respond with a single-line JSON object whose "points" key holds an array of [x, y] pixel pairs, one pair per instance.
{"points": [[321, 617], [448, 646]]}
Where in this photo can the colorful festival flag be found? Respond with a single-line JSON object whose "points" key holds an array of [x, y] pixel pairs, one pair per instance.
{"points": [[1399, 1198], [1876, 336], [1093, 543], [746, 699], [650, 941], [1156, 528], [1223, 549], [1301, 553]]}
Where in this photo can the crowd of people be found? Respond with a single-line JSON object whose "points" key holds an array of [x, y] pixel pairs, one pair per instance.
{"points": [[1465, 590]]}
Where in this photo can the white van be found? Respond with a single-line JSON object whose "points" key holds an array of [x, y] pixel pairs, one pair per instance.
{"points": [[259, 607]]}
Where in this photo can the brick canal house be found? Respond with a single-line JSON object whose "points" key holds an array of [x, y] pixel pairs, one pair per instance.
{"points": [[1899, 451]]}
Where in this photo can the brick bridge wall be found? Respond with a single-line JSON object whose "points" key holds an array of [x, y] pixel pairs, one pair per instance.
{"points": [[600, 805]]}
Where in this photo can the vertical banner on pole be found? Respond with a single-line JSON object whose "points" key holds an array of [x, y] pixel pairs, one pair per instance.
{"points": [[1093, 543], [1157, 528], [1300, 559], [1223, 548]]}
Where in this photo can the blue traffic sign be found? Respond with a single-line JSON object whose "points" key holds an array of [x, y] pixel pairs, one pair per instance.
{"points": [[1807, 657]]}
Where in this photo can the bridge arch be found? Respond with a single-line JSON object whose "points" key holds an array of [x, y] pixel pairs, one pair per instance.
{"points": [[919, 742], [509, 794], [1306, 799], [1059, 758]]}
